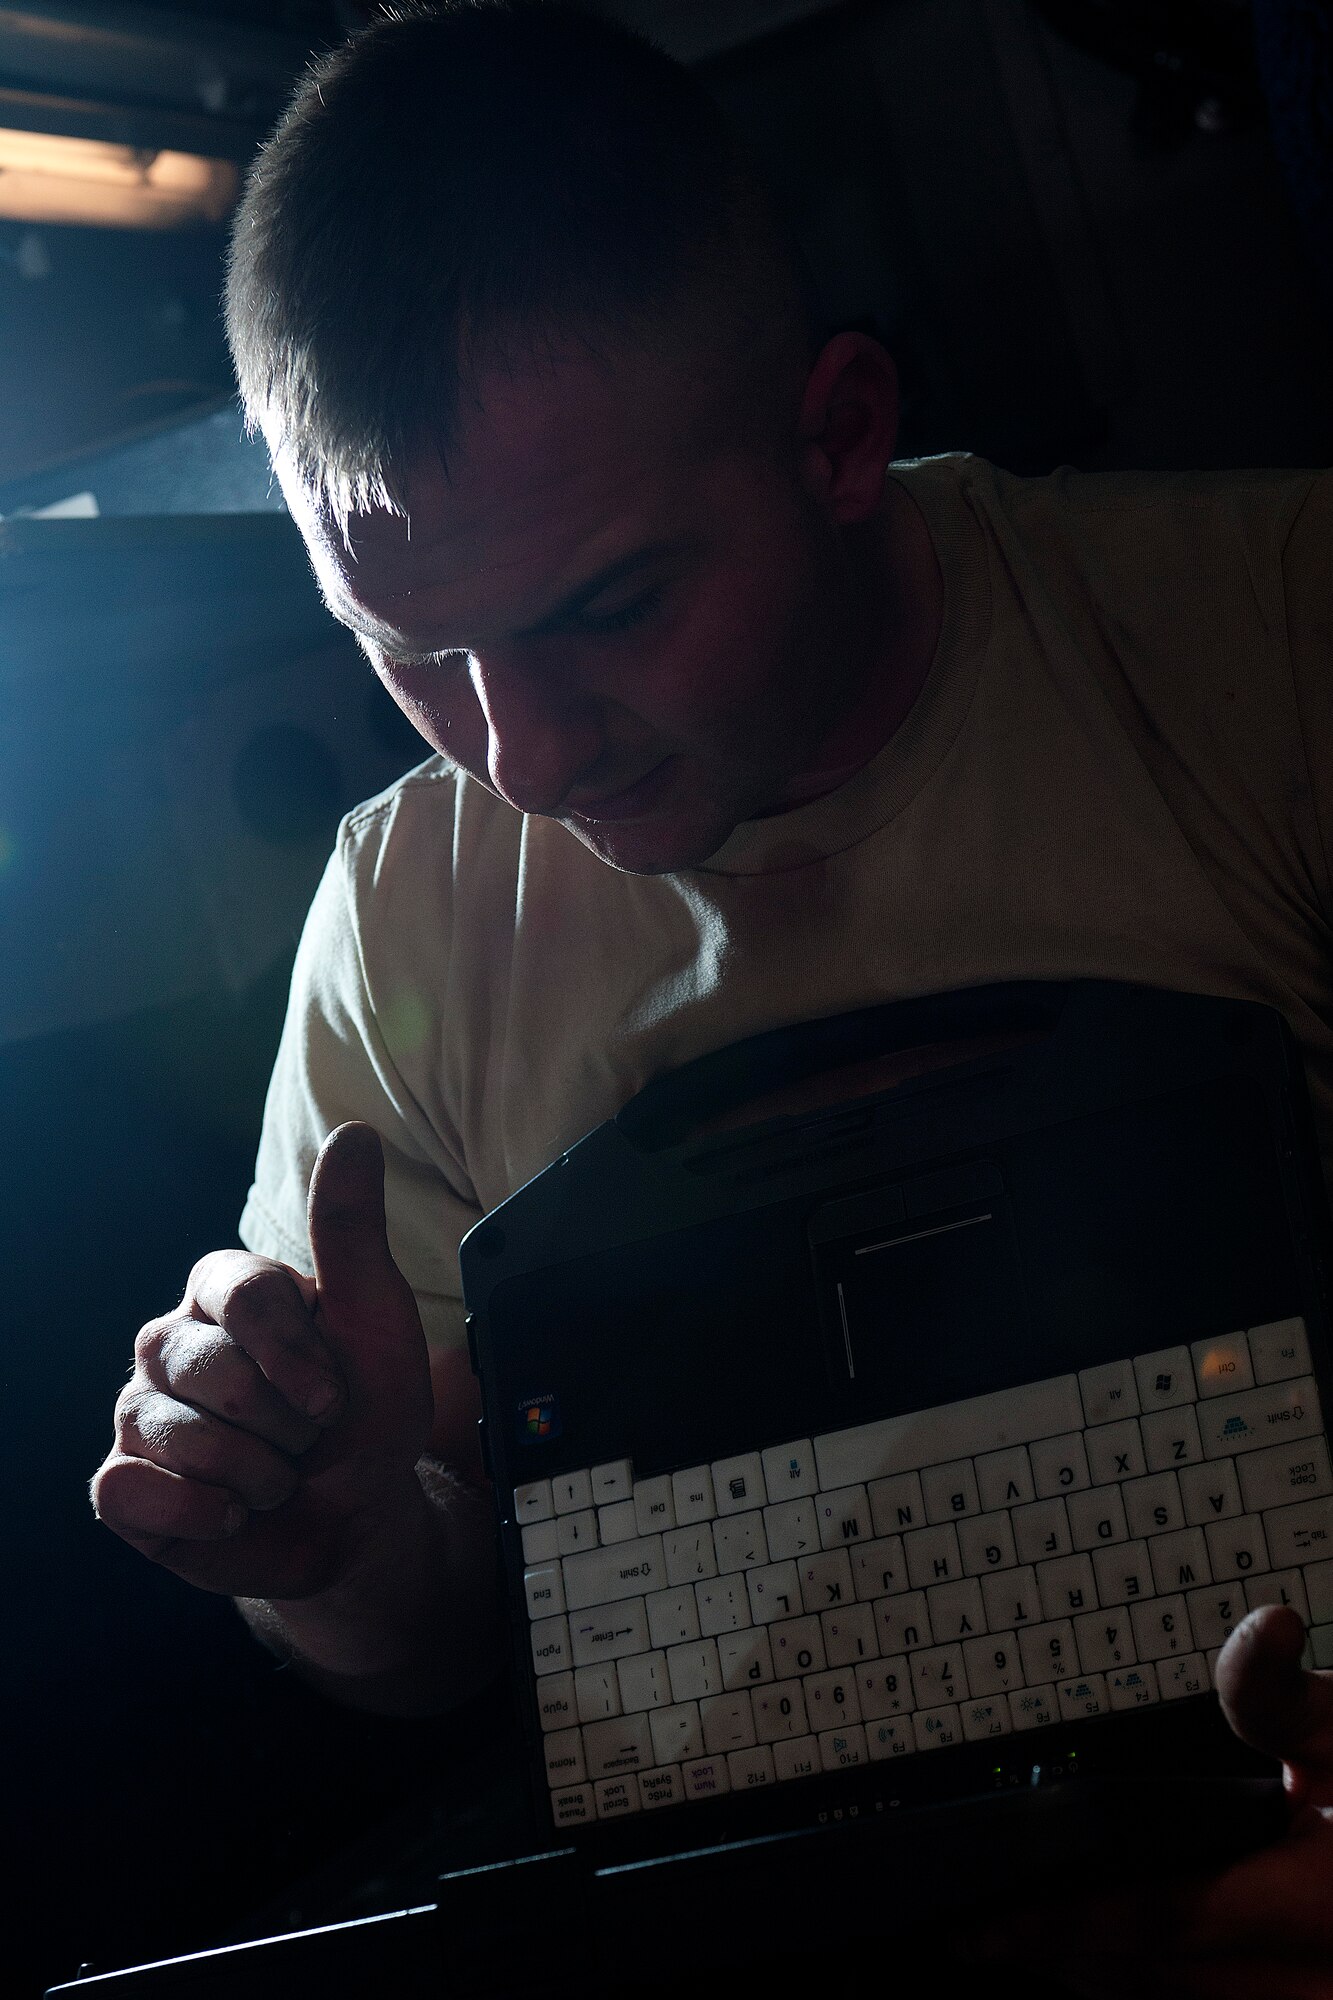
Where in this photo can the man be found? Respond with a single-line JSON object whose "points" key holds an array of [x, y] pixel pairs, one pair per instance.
{"points": [[738, 722]]}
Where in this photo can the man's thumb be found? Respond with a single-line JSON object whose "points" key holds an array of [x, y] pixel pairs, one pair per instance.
{"points": [[1272, 1703], [356, 1278]]}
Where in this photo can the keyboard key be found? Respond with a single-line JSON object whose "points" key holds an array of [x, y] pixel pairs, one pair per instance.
{"points": [[1153, 1505], [661, 1788], [831, 1699], [724, 1605], [677, 1732], [825, 1580], [938, 1675], [608, 1632], [843, 1517], [572, 1492], [612, 1482], [1295, 1534], [1185, 1676], [1232, 1425], [707, 1778], [798, 1647], [1048, 1652], [728, 1723], [596, 1693], [544, 1591], [1296, 1471], [738, 1483], [1237, 1548], [993, 1664], [779, 1712], [1097, 1517], [1124, 1574], [896, 1503], [688, 1554], [885, 1688], [550, 1645], [841, 1749], [985, 1717], [1059, 1465], [555, 1701], [1319, 1584], [1222, 1365], [791, 1528], [937, 1728], [799, 1759], [1210, 1492], [1180, 1560], [1165, 1378], [1321, 1646], [601, 1576], [1066, 1586], [889, 1738], [749, 1769], [1034, 1707], [789, 1470], [1105, 1639], [746, 1659], [1216, 1612], [618, 1522], [879, 1568], [933, 1555], [987, 1543], [654, 1504], [775, 1592], [692, 1495], [1109, 1392], [1161, 1628], [1011, 1599], [539, 1541], [573, 1806], [576, 1531], [1004, 1478], [1171, 1438], [1083, 1695], [563, 1751], [740, 1542], [849, 1635], [1285, 1586], [673, 1616], [956, 1609], [1041, 1530], [644, 1682], [1115, 1451], [695, 1671], [933, 1437], [1279, 1349], [616, 1798], [950, 1491], [1132, 1687], [534, 1502]]}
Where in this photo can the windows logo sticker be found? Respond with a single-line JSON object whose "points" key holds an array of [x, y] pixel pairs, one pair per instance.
{"points": [[539, 1417]]}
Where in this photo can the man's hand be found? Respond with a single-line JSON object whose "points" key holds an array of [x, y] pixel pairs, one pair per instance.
{"points": [[1263, 1928], [268, 1438]]}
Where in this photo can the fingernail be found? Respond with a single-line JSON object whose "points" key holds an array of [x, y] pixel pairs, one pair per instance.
{"points": [[234, 1518], [321, 1399]]}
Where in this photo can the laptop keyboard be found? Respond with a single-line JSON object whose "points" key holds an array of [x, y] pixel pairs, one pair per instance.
{"points": [[1060, 1550]]}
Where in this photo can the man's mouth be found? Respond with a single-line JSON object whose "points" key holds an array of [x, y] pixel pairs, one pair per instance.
{"points": [[634, 801]]}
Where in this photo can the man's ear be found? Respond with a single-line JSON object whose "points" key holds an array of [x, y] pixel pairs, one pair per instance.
{"points": [[848, 426]]}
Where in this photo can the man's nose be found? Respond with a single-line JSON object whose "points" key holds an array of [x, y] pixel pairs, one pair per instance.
{"points": [[540, 738]]}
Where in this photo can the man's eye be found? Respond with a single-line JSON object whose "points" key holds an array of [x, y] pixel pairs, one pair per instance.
{"points": [[621, 619]]}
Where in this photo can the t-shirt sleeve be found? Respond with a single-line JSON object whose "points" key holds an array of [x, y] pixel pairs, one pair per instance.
{"points": [[334, 1064], [1307, 579]]}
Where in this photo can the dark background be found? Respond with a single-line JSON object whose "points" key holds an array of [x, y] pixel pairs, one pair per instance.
{"points": [[1094, 234]]}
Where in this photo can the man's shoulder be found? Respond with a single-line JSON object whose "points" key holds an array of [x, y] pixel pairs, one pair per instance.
{"points": [[425, 817]]}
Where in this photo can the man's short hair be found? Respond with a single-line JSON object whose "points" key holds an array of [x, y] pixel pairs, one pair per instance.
{"points": [[459, 184]]}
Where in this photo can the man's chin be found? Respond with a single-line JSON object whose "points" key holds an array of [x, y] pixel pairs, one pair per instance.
{"points": [[651, 846]]}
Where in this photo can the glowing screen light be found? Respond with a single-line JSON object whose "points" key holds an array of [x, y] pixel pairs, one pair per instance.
{"points": [[45, 178]]}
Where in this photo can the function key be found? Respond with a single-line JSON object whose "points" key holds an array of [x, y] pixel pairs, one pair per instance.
{"points": [[1165, 1378], [789, 1470], [534, 1502], [692, 1495], [1223, 1364], [1109, 1392], [612, 1482], [1279, 1349], [738, 1483], [572, 1491]]}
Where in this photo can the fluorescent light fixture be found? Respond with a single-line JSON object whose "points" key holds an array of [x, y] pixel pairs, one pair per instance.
{"points": [[45, 178]]}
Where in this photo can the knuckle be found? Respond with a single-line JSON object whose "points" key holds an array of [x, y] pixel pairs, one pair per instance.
{"points": [[254, 1298], [150, 1343]]}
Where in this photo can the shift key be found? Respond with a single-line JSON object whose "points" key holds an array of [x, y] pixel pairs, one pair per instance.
{"points": [[604, 1576], [1255, 1418]]}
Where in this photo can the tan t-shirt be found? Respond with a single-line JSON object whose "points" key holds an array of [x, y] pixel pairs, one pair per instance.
{"points": [[1120, 766]]}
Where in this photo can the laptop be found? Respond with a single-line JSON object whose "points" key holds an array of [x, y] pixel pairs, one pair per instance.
{"points": [[890, 1418]]}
